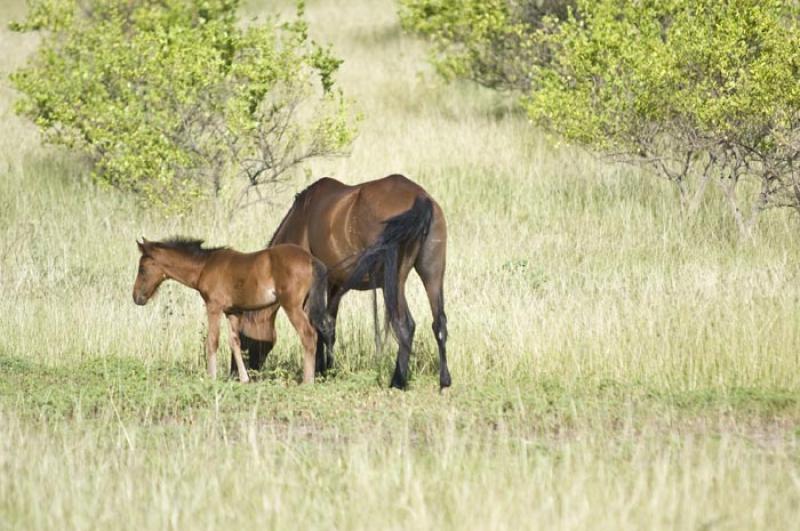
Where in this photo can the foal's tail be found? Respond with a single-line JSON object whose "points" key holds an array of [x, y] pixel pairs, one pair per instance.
{"points": [[402, 230], [317, 301]]}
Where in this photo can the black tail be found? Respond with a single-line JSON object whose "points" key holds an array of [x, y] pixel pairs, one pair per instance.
{"points": [[401, 230], [316, 308], [317, 298]]}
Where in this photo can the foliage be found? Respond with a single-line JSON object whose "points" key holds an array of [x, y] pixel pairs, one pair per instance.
{"points": [[486, 41], [169, 98], [701, 91]]}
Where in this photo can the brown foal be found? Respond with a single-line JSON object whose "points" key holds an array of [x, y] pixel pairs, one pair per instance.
{"points": [[234, 283]]}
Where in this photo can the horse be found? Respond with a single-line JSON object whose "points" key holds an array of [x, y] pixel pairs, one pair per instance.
{"points": [[233, 283], [369, 235]]}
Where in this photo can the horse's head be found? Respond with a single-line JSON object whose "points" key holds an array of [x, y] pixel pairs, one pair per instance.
{"points": [[150, 275]]}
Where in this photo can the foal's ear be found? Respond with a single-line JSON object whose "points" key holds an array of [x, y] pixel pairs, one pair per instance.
{"points": [[141, 245]]}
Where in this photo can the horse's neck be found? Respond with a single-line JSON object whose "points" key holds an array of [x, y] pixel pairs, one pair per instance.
{"points": [[184, 268], [291, 229]]}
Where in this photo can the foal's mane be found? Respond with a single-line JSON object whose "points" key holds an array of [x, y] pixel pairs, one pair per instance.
{"points": [[299, 198], [190, 246]]}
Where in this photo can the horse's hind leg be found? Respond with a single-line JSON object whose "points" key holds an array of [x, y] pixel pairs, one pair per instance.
{"points": [[436, 299], [308, 336], [430, 266], [403, 326], [236, 348]]}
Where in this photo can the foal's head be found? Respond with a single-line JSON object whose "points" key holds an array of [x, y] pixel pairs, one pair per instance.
{"points": [[150, 276]]}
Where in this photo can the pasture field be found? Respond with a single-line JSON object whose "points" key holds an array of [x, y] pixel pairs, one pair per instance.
{"points": [[615, 366]]}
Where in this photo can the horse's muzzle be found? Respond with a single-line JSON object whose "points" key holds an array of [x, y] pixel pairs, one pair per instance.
{"points": [[139, 299]]}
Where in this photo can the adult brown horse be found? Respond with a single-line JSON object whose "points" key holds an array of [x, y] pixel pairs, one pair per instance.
{"points": [[233, 283], [368, 235]]}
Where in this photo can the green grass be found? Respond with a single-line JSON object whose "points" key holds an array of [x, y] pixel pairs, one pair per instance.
{"points": [[169, 448], [158, 391], [614, 364]]}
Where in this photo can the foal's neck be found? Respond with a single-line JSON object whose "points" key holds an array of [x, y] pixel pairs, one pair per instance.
{"points": [[184, 268]]}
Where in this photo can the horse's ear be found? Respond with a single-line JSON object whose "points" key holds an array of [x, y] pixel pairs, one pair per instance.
{"points": [[141, 245]]}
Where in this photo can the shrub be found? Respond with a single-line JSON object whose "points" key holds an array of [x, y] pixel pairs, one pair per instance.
{"points": [[170, 99], [490, 41], [700, 91]]}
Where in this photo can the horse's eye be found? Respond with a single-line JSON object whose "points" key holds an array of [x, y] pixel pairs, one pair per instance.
{"points": [[141, 271]]}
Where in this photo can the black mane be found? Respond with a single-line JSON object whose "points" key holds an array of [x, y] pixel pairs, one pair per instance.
{"points": [[190, 246]]}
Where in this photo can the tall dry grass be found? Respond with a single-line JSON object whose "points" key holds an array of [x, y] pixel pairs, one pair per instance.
{"points": [[615, 365]]}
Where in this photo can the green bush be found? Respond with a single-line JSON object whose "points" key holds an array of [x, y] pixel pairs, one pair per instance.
{"points": [[701, 91], [173, 98], [487, 41]]}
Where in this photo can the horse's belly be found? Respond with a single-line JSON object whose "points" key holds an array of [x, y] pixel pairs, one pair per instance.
{"points": [[258, 325], [267, 296], [256, 300]]}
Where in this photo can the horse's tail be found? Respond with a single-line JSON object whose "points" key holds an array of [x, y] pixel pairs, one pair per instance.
{"points": [[402, 230]]}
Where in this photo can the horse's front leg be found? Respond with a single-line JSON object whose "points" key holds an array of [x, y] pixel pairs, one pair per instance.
{"points": [[212, 341], [326, 334], [236, 347]]}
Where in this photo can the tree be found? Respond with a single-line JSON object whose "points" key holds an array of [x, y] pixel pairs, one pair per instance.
{"points": [[172, 98], [698, 90], [487, 41]]}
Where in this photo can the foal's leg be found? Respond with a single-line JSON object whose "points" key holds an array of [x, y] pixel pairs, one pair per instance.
{"points": [[236, 348], [212, 341], [308, 336]]}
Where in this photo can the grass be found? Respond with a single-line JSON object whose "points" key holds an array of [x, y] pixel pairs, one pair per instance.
{"points": [[171, 449], [614, 365]]}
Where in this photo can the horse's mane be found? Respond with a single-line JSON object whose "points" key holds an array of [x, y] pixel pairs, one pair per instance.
{"points": [[191, 246], [299, 198]]}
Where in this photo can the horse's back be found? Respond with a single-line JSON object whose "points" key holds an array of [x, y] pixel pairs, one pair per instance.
{"points": [[335, 221], [385, 198]]}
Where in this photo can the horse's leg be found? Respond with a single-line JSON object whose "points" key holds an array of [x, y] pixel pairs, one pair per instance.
{"points": [[379, 341], [326, 341], [212, 341], [236, 347], [430, 265], [432, 275], [308, 336], [403, 326], [257, 335]]}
